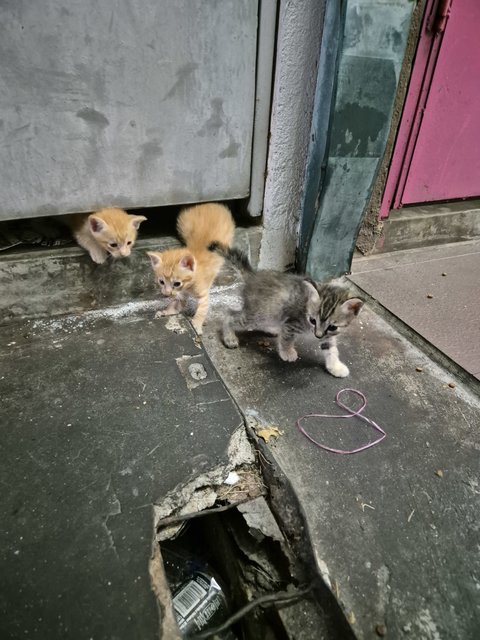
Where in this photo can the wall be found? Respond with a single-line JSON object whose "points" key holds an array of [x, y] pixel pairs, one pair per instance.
{"points": [[298, 46]]}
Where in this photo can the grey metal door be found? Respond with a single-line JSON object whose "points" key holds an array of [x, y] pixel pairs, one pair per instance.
{"points": [[127, 102]]}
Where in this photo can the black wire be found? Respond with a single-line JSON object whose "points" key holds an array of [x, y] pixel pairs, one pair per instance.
{"points": [[280, 597]]}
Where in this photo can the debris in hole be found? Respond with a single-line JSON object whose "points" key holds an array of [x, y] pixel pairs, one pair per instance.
{"points": [[253, 572], [232, 478], [198, 599], [259, 518]]}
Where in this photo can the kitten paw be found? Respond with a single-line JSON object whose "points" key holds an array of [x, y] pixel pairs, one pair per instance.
{"points": [[162, 313], [339, 370], [98, 258], [231, 342], [288, 355], [198, 326]]}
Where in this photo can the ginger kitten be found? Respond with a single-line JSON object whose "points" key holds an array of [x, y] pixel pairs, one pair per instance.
{"points": [[109, 231], [287, 305], [189, 271]]}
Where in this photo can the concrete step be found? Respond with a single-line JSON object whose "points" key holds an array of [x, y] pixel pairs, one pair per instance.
{"points": [[422, 226], [46, 282]]}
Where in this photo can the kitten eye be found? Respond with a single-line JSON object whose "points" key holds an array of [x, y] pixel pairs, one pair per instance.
{"points": [[129, 242], [114, 245], [177, 284], [160, 281], [312, 321], [332, 327]]}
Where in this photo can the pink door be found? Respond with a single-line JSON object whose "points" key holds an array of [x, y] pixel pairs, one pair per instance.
{"points": [[437, 154]]}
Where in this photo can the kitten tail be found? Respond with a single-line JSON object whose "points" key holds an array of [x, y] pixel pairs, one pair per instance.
{"points": [[238, 259]]}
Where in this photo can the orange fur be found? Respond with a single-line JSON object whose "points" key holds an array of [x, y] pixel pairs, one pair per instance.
{"points": [[109, 231], [191, 270]]}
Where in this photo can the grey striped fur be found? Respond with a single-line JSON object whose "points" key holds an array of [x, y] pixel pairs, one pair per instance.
{"points": [[287, 305]]}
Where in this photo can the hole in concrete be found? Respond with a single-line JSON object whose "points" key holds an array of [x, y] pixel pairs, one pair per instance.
{"points": [[243, 554]]}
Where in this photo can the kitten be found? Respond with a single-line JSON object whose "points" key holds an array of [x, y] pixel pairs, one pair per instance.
{"points": [[287, 305], [109, 231], [189, 271]]}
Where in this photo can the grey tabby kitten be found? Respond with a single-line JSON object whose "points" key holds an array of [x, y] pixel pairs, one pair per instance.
{"points": [[287, 305]]}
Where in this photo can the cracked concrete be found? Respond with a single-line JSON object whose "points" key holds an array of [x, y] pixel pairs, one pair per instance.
{"points": [[97, 424], [394, 529], [202, 491]]}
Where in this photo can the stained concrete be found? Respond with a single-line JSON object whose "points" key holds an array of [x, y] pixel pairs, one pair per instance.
{"points": [[449, 319], [395, 528], [100, 419], [55, 281]]}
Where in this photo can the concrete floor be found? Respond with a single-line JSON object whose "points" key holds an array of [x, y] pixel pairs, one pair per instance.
{"points": [[100, 421], [395, 528], [101, 417], [435, 291]]}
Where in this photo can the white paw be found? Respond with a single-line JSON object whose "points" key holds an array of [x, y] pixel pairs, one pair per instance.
{"points": [[231, 342], [198, 326], [339, 370], [161, 313], [98, 258], [288, 355]]}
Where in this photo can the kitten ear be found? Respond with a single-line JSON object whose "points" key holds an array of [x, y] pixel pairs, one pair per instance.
{"points": [[97, 225], [312, 291], [155, 258], [137, 220], [188, 262], [353, 306]]}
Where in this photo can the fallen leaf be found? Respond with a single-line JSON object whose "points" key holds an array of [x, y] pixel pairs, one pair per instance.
{"points": [[268, 432]]}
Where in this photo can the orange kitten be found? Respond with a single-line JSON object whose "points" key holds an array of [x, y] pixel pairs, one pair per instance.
{"points": [[191, 270], [106, 232]]}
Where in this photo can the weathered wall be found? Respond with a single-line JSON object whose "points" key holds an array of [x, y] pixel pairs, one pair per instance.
{"points": [[372, 226], [128, 103], [298, 45], [374, 40]]}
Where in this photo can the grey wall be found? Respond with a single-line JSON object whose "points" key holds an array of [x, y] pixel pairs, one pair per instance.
{"points": [[129, 102], [374, 37]]}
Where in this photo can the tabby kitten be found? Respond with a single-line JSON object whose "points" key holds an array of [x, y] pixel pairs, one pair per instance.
{"points": [[109, 231], [287, 305], [188, 272]]}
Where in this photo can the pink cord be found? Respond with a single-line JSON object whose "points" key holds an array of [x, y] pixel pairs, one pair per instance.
{"points": [[351, 414]]}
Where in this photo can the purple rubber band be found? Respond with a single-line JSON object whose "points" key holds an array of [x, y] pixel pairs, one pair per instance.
{"points": [[352, 414]]}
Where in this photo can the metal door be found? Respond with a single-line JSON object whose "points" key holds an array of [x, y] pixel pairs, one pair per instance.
{"points": [[129, 102], [437, 155]]}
